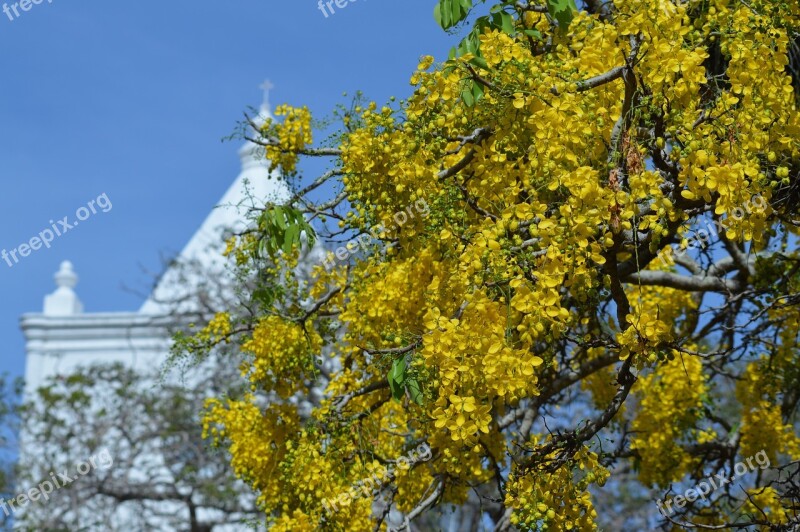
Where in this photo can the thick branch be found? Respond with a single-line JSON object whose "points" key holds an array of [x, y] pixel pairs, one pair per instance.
{"points": [[693, 283]]}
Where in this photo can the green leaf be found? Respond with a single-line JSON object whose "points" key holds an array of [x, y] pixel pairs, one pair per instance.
{"points": [[414, 390], [479, 62], [563, 11], [278, 217], [477, 91], [281, 228], [466, 95], [448, 13], [455, 10], [398, 371], [507, 23], [397, 375], [470, 45], [290, 238]]}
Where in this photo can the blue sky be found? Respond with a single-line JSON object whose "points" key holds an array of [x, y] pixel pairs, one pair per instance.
{"points": [[132, 99]]}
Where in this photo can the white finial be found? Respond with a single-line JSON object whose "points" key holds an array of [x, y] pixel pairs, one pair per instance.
{"points": [[266, 87], [64, 301], [66, 276]]}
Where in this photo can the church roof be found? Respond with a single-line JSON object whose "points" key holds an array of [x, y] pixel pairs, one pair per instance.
{"points": [[254, 186]]}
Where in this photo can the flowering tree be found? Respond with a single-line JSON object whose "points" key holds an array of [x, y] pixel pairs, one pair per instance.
{"points": [[567, 263]]}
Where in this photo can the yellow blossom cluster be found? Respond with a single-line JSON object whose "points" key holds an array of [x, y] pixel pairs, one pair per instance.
{"points": [[763, 426], [671, 404], [291, 136], [556, 501], [765, 501], [283, 356]]}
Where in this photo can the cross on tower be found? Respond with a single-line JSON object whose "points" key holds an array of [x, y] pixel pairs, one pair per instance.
{"points": [[266, 87]]}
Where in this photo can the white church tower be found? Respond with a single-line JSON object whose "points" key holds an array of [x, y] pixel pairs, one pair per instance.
{"points": [[64, 336]]}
